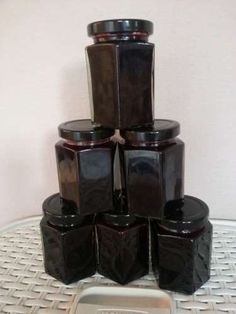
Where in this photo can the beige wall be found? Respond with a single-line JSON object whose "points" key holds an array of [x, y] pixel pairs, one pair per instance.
{"points": [[43, 82]]}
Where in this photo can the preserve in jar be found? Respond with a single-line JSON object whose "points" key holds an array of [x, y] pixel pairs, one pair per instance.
{"points": [[85, 166], [152, 167], [181, 246], [122, 246], [121, 72], [68, 241]]}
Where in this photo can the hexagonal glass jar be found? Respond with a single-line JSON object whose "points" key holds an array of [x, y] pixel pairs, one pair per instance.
{"points": [[152, 167], [121, 72], [68, 241], [85, 166], [122, 247], [181, 246]]}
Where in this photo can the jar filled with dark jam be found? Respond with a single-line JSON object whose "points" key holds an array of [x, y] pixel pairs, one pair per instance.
{"points": [[181, 246], [121, 72], [122, 246], [152, 167], [68, 241], [85, 166]]}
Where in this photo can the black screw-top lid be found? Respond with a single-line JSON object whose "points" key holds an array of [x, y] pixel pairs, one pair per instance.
{"points": [[159, 131], [118, 219], [63, 214], [83, 130], [120, 25], [188, 215]]}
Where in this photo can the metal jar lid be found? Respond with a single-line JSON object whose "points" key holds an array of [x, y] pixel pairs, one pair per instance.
{"points": [[120, 26], [83, 130], [186, 216], [160, 130], [118, 219], [61, 214]]}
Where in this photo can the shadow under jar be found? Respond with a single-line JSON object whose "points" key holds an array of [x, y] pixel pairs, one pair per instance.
{"points": [[68, 241], [152, 167], [85, 166], [122, 246], [181, 246], [121, 72]]}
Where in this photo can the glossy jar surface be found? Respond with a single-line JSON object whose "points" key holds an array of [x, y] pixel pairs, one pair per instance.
{"points": [[181, 251], [85, 166], [152, 167], [121, 72], [122, 247], [68, 242]]}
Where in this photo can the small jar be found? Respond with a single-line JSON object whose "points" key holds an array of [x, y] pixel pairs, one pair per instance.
{"points": [[181, 246], [85, 166], [122, 246], [68, 241], [152, 167], [121, 72]]}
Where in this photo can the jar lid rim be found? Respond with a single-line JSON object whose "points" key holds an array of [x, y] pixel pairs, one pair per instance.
{"points": [[83, 130], [187, 215], [161, 129], [120, 25], [61, 213], [118, 219]]}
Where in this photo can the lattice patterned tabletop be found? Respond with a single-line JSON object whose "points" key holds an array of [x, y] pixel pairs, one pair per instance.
{"points": [[26, 288]]}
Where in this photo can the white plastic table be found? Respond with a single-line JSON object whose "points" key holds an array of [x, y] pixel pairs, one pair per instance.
{"points": [[26, 288]]}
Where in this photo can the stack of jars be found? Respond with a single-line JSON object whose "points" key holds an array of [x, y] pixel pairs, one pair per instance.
{"points": [[96, 225]]}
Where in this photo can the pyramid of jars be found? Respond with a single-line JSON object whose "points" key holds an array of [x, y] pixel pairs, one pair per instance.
{"points": [[121, 210]]}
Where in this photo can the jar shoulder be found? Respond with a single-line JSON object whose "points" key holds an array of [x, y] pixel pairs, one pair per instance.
{"points": [[135, 226], [177, 143], [162, 233], [137, 44], [61, 144]]}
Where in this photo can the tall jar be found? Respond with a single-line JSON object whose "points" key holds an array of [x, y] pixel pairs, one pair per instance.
{"points": [[152, 167], [85, 166], [121, 72]]}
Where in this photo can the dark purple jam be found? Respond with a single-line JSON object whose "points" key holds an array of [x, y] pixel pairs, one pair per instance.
{"points": [[68, 241], [85, 166], [121, 72], [122, 247], [152, 167], [181, 246]]}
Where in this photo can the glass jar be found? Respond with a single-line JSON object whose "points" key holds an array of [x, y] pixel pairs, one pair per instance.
{"points": [[85, 166], [152, 167], [121, 72], [122, 246], [181, 246], [68, 241]]}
